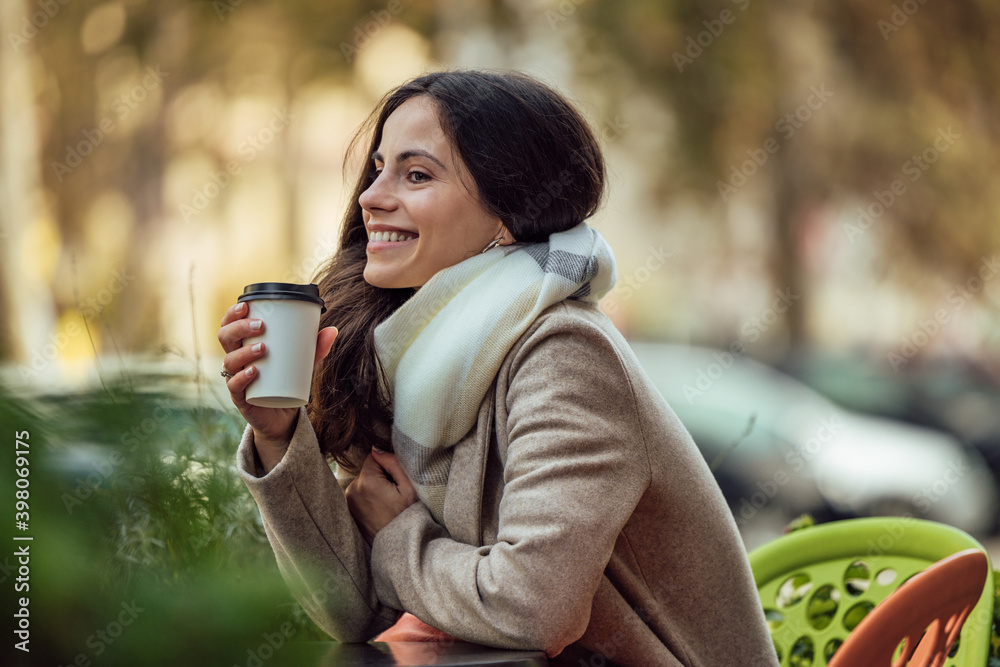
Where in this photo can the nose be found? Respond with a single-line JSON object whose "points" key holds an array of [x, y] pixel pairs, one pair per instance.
{"points": [[378, 196]]}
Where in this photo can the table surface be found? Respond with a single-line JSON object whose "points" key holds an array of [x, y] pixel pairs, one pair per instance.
{"points": [[411, 654]]}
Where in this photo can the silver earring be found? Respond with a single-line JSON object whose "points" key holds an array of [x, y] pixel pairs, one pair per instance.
{"points": [[493, 244]]}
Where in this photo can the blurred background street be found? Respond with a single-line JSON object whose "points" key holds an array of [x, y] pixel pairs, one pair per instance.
{"points": [[802, 207]]}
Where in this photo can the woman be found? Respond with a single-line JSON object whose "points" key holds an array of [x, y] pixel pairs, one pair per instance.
{"points": [[539, 493]]}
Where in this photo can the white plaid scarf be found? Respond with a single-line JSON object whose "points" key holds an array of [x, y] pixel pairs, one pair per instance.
{"points": [[443, 347]]}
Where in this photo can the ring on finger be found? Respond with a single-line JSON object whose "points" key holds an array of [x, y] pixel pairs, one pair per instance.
{"points": [[224, 373]]}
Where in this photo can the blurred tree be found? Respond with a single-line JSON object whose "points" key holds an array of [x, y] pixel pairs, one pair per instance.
{"points": [[905, 81], [105, 77], [19, 182], [800, 108]]}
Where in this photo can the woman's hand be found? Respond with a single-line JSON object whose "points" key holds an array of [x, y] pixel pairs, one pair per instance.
{"points": [[379, 493], [272, 427]]}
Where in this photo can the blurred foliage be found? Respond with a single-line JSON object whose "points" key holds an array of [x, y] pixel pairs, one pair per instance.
{"points": [[725, 87], [139, 515], [143, 529], [895, 78]]}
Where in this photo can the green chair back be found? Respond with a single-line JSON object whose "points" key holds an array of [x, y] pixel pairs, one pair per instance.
{"points": [[818, 583]]}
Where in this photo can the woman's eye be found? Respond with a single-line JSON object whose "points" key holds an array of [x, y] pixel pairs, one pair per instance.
{"points": [[418, 176]]}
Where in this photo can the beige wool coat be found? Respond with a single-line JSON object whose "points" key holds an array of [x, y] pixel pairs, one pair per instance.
{"points": [[579, 519]]}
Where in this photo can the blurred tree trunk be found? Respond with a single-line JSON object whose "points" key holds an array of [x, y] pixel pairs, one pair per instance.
{"points": [[790, 189], [23, 300], [800, 64]]}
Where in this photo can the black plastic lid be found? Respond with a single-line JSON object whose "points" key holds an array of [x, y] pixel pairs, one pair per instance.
{"points": [[290, 291]]}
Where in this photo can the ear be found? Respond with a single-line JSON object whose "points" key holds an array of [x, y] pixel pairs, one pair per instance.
{"points": [[507, 238]]}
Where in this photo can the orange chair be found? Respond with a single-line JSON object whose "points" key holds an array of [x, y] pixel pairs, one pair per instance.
{"points": [[923, 616]]}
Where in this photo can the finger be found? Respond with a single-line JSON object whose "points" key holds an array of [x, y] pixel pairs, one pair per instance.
{"points": [[231, 335], [239, 358], [384, 458], [234, 312], [370, 469], [324, 341], [238, 384], [375, 476], [391, 464]]}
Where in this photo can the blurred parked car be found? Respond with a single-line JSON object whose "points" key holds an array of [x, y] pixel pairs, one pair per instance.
{"points": [[957, 395], [779, 449]]}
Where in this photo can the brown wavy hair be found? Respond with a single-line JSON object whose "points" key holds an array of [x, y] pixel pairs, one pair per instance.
{"points": [[536, 165]]}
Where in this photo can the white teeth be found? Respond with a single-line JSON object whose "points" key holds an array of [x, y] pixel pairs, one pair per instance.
{"points": [[389, 236]]}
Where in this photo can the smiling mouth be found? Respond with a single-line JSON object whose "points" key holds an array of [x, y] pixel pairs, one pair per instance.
{"points": [[390, 237]]}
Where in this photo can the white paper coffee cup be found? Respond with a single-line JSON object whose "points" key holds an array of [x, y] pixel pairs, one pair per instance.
{"points": [[290, 313]]}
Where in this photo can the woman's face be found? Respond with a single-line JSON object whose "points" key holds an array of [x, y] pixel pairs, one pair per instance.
{"points": [[423, 193]]}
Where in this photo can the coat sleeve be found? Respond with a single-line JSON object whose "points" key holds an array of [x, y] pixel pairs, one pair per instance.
{"points": [[320, 552], [575, 469]]}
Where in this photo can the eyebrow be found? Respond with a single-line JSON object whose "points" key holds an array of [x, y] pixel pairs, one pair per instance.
{"points": [[406, 155]]}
